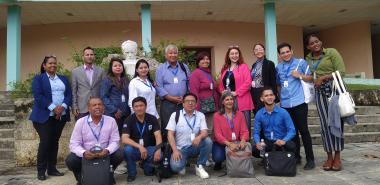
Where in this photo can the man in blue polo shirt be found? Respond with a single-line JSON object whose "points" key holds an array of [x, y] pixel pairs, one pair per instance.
{"points": [[172, 84], [275, 122], [289, 75]]}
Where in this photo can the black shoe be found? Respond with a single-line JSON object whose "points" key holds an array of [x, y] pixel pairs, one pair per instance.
{"points": [[41, 177], [309, 165], [217, 166], [149, 173], [299, 160], [55, 173], [131, 178]]}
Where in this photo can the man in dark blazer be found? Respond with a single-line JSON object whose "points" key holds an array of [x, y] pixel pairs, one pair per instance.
{"points": [[86, 80]]}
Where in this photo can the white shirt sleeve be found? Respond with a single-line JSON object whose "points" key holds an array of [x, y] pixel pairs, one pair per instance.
{"points": [[132, 93], [172, 124], [202, 120]]}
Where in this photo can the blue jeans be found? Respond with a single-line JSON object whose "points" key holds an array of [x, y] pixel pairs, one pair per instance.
{"points": [[203, 150], [132, 155], [218, 152]]}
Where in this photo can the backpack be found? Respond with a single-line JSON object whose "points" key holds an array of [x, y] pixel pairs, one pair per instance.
{"points": [[187, 79]]}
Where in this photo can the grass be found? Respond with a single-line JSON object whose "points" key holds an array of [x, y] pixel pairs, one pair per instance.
{"points": [[354, 87]]}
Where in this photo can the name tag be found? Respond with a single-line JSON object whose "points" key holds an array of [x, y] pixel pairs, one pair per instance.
{"points": [[211, 86], [192, 137], [271, 135], [253, 84], [286, 84], [175, 80], [122, 98], [141, 142], [233, 136]]}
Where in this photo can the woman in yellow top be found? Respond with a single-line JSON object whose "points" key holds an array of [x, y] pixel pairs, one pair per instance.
{"points": [[322, 62]]}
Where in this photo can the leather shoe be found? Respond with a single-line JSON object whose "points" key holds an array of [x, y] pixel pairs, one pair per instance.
{"points": [[41, 177], [131, 178], [309, 165], [55, 173]]}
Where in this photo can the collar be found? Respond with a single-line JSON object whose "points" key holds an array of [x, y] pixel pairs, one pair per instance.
{"points": [[322, 53], [87, 67], [92, 122], [185, 113], [290, 61], [52, 77], [168, 64], [275, 109]]}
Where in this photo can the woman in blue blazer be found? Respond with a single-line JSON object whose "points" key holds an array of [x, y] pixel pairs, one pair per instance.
{"points": [[114, 92], [52, 98]]}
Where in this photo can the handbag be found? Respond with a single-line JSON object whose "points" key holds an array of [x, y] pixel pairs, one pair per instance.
{"points": [[345, 102], [308, 87], [239, 163], [280, 163], [207, 105]]}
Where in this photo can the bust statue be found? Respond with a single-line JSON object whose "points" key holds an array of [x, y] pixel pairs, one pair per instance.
{"points": [[129, 49]]}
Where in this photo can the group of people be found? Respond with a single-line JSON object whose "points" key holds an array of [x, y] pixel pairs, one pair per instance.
{"points": [[199, 117]]}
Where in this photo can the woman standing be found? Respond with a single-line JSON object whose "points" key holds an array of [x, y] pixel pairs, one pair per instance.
{"points": [[142, 85], [236, 78], [230, 130], [204, 87], [263, 74], [52, 98], [114, 92], [322, 62]]}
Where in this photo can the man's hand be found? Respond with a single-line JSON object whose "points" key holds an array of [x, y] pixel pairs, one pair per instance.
{"points": [[76, 113], [89, 155], [233, 93], [58, 116], [258, 146], [318, 82], [233, 147], [196, 141], [143, 152], [280, 142], [174, 99], [296, 74], [242, 144], [176, 155], [157, 155], [118, 114], [103, 154]]}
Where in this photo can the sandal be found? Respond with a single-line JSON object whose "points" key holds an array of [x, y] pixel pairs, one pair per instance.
{"points": [[337, 165], [328, 165]]}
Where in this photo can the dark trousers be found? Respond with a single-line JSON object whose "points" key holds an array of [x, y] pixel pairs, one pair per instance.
{"points": [[299, 117], [49, 133], [166, 110], [289, 146], [255, 94], [218, 152], [120, 123], [74, 163]]}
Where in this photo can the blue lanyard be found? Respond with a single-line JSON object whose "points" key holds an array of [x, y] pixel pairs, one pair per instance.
{"points": [[254, 70], [174, 72], [315, 65], [288, 70], [188, 124], [92, 130], [232, 126], [147, 84], [141, 131], [207, 75]]}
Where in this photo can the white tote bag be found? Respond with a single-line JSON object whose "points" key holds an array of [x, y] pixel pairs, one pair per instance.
{"points": [[308, 87], [345, 102]]}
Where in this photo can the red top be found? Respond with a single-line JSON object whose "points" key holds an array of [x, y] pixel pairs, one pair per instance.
{"points": [[223, 131]]}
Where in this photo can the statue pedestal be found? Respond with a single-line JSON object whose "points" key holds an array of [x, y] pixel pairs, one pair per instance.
{"points": [[130, 67]]}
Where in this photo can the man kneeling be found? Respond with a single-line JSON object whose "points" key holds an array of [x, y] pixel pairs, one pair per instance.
{"points": [[142, 136], [188, 137], [94, 136]]}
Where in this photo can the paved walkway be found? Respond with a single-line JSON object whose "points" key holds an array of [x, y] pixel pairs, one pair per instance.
{"points": [[361, 166]]}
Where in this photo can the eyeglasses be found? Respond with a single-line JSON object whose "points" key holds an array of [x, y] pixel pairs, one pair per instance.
{"points": [[285, 52], [190, 101], [233, 46], [256, 50]]}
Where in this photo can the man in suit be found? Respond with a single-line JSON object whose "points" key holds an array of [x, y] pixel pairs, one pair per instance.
{"points": [[86, 82]]}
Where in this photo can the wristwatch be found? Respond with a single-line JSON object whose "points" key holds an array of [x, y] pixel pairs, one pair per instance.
{"points": [[300, 77]]}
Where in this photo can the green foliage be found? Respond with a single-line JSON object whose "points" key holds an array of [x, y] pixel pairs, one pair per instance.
{"points": [[361, 87]]}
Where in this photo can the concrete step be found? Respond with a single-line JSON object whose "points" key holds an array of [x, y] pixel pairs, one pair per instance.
{"points": [[7, 122], [361, 127], [7, 154], [4, 106], [360, 110], [6, 133], [359, 137], [361, 119], [7, 143], [7, 113]]}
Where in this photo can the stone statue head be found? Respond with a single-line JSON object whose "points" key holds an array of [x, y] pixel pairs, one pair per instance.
{"points": [[129, 49]]}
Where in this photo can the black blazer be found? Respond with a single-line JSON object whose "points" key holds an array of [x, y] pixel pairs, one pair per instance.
{"points": [[269, 74]]}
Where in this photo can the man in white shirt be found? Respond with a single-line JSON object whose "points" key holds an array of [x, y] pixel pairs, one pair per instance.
{"points": [[188, 137]]}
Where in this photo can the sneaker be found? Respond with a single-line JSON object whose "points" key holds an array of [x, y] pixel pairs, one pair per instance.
{"points": [[182, 172], [201, 172], [209, 163], [131, 178], [309, 165]]}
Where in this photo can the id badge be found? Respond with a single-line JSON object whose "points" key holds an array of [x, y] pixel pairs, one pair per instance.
{"points": [[97, 144], [286, 84], [141, 142], [175, 80], [122, 98], [253, 84], [227, 82], [211, 86], [314, 75], [192, 137], [233, 136], [271, 135]]}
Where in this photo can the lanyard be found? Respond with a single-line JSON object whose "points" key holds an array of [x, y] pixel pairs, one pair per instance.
{"points": [[92, 130], [148, 84], [254, 69], [141, 130], [174, 72], [316, 64], [229, 121], [288, 70], [207, 75], [188, 124]]}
